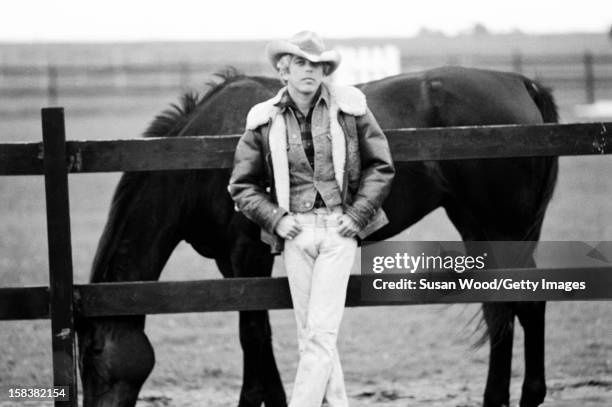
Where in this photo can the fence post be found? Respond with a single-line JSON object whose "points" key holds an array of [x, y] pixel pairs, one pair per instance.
{"points": [[60, 253], [52, 85], [589, 77]]}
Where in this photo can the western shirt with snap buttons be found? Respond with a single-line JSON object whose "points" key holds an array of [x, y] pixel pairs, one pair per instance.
{"points": [[311, 170]]}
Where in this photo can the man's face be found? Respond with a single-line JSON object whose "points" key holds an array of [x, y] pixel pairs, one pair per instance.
{"points": [[304, 76]]}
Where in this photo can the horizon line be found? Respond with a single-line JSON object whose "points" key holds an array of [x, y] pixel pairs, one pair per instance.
{"points": [[433, 34]]}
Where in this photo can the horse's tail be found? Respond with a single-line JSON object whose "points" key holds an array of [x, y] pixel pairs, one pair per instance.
{"points": [[545, 102]]}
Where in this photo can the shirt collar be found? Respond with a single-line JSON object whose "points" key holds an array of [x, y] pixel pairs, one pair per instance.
{"points": [[286, 100]]}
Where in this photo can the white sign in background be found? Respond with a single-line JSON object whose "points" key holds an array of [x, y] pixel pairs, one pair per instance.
{"points": [[364, 64]]}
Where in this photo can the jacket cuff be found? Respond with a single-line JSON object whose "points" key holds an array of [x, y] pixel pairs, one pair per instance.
{"points": [[277, 214], [360, 214]]}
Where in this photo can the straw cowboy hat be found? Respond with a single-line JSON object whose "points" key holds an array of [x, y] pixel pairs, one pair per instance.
{"points": [[305, 44]]}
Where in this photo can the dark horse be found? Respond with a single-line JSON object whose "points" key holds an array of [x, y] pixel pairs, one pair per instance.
{"points": [[487, 200]]}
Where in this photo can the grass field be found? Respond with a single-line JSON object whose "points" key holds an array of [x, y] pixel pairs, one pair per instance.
{"points": [[393, 356]]}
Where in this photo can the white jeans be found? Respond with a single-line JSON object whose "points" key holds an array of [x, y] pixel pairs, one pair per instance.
{"points": [[318, 263]]}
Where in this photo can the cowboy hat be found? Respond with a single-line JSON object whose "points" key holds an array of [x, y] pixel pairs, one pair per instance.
{"points": [[305, 44]]}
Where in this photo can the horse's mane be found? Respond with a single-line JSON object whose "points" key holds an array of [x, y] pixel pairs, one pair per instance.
{"points": [[171, 121]]}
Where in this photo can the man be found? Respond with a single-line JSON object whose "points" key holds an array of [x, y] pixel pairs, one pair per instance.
{"points": [[327, 167]]}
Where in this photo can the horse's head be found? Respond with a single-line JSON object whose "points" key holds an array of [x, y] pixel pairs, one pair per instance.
{"points": [[115, 358]]}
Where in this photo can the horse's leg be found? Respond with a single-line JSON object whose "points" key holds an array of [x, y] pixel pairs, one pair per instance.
{"points": [[531, 316], [500, 322], [499, 318], [261, 380]]}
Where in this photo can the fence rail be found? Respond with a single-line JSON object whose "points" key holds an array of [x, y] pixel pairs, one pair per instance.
{"points": [[249, 294], [445, 143], [55, 158]]}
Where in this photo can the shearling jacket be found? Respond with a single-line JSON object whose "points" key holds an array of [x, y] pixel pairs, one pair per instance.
{"points": [[363, 168]]}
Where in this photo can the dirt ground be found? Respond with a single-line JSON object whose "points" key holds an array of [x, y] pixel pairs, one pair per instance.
{"points": [[392, 356], [398, 356]]}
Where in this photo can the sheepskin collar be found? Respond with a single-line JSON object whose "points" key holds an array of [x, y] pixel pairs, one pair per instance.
{"points": [[348, 99]]}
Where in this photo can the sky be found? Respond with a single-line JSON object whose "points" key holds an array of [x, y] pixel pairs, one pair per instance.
{"points": [[137, 20]]}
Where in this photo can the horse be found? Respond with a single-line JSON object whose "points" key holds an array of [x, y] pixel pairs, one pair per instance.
{"points": [[486, 200]]}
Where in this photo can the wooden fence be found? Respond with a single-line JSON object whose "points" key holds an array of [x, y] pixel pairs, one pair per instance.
{"points": [[55, 158]]}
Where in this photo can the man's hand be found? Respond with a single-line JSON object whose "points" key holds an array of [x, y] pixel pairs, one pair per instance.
{"points": [[347, 227], [288, 227]]}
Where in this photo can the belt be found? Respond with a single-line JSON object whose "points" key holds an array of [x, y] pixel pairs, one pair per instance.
{"points": [[320, 217]]}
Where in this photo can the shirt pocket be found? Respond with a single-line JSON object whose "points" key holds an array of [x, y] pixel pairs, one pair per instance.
{"points": [[294, 138]]}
